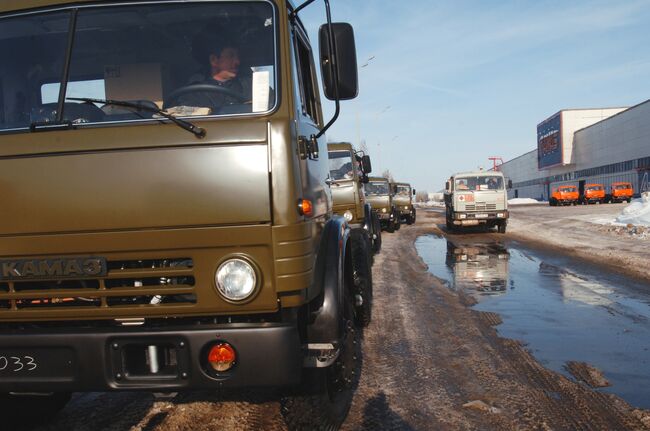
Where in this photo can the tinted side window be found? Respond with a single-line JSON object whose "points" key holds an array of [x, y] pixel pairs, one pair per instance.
{"points": [[306, 77]]}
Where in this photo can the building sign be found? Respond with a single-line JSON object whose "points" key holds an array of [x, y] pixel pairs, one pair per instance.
{"points": [[549, 142]]}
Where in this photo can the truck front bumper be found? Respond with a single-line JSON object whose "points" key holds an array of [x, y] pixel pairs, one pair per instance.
{"points": [[114, 359], [476, 218]]}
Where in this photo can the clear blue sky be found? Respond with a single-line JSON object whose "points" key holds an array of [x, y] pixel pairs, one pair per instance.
{"points": [[453, 83]]}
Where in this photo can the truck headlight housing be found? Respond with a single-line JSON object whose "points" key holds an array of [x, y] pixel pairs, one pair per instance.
{"points": [[500, 215], [462, 216], [383, 210], [348, 215], [236, 279]]}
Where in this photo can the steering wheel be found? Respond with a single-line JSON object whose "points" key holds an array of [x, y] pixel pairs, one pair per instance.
{"points": [[202, 88]]}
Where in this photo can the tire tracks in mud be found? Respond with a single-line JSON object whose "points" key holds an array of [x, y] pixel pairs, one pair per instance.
{"points": [[425, 354]]}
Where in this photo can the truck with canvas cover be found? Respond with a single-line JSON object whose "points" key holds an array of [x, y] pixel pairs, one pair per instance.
{"points": [[348, 172], [476, 199], [404, 202], [169, 224], [380, 197]]}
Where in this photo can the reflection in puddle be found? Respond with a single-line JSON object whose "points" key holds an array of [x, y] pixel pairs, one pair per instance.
{"points": [[482, 268], [574, 314]]}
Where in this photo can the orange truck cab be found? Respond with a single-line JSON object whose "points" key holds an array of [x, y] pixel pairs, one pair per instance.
{"points": [[619, 192], [593, 193], [564, 195]]}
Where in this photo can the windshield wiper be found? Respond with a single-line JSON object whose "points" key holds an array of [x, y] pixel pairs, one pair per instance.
{"points": [[199, 132]]}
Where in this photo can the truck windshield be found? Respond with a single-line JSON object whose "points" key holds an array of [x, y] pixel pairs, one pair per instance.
{"points": [[622, 187], [484, 182], [595, 188], [403, 190], [567, 189], [191, 58], [341, 165], [376, 188]]}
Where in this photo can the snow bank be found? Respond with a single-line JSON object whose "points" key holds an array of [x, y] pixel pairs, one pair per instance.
{"points": [[637, 212], [522, 201]]}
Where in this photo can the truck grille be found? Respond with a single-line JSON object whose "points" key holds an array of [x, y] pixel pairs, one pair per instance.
{"points": [[481, 206], [128, 283]]}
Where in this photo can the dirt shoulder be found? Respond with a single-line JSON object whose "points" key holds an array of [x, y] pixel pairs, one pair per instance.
{"points": [[431, 362], [576, 231]]}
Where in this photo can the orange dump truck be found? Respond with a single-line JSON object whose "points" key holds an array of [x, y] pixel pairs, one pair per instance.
{"points": [[593, 194], [564, 195], [619, 192]]}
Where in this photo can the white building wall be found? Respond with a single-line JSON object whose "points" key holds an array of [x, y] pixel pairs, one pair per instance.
{"points": [[625, 136], [576, 119]]}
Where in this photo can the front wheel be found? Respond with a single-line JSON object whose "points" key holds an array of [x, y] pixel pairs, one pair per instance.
{"points": [[501, 227], [325, 395], [376, 235], [361, 279]]}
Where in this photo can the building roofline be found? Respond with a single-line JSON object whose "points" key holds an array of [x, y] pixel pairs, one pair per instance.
{"points": [[615, 115], [586, 109]]}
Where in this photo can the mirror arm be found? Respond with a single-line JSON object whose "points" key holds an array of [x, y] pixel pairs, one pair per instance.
{"points": [[333, 58], [294, 12]]}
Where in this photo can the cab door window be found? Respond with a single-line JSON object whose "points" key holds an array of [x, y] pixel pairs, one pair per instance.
{"points": [[306, 76]]}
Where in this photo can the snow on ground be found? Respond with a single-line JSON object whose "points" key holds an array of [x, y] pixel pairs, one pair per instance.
{"points": [[523, 201], [637, 212]]}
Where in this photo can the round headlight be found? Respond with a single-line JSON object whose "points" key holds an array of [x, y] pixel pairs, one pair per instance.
{"points": [[348, 215], [235, 279], [383, 210]]}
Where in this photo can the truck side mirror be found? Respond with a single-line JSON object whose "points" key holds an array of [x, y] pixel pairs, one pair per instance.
{"points": [[447, 186], [344, 62], [366, 166], [509, 184], [413, 192]]}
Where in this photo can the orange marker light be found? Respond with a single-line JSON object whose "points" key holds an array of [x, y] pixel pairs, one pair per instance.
{"points": [[305, 207], [222, 357]]}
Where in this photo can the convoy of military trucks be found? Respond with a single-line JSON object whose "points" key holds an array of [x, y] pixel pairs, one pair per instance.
{"points": [[246, 261]]}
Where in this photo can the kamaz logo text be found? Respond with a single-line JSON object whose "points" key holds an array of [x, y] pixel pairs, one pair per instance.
{"points": [[52, 268]]}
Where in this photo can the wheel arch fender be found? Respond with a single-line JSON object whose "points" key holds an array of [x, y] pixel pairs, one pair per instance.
{"points": [[324, 322]]}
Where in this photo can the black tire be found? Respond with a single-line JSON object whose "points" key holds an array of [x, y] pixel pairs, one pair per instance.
{"points": [[629, 200], [501, 227], [391, 226], [361, 278], [376, 242], [30, 410], [398, 220], [324, 397]]}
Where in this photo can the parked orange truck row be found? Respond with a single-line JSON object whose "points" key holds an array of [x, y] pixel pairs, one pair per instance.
{"points": [[593, 193]]}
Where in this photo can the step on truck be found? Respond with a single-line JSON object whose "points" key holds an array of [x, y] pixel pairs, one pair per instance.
{"points": [[379, 195], [476, 199], [403, 199], [167, 223], [348, 172]]}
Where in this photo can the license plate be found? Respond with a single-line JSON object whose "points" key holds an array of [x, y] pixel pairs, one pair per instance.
{"points": [[481, 216], [36, 362]]}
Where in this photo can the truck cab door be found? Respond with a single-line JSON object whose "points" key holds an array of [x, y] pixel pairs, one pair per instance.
{"points": [[308, 122]]}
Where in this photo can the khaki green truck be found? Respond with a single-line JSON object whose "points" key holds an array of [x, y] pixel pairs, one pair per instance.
{"points": [[476, 199], [167, 220], [403, 201], [348, 171], [380, 197]]}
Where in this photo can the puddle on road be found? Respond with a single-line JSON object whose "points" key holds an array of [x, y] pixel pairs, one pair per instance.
{"points": [[581, 314]]}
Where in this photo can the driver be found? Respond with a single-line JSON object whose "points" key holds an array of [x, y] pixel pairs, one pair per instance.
{"points": [[221, 54]]}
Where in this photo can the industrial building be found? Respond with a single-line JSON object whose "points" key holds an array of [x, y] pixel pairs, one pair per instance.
{"points": [[582, 146]]}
